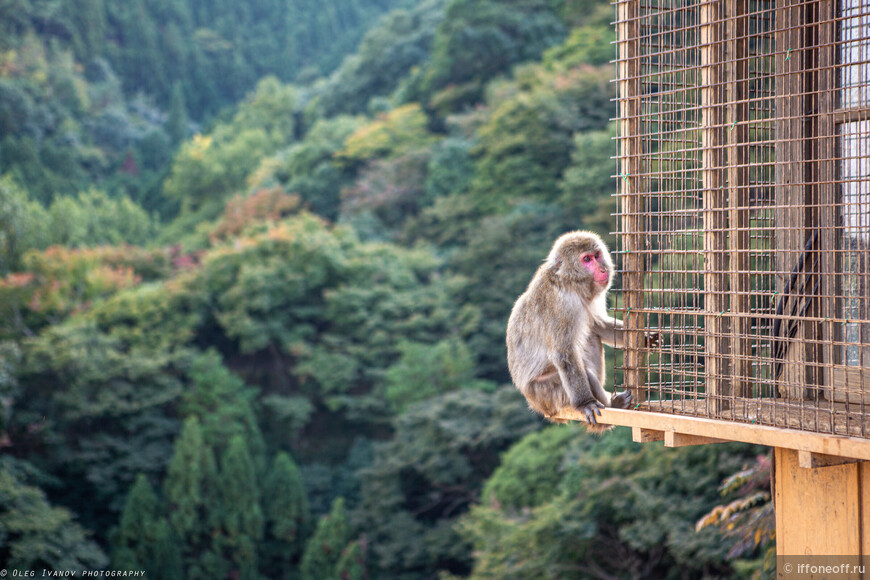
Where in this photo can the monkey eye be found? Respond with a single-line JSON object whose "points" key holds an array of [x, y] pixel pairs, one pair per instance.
{"points": [[587, 258]]}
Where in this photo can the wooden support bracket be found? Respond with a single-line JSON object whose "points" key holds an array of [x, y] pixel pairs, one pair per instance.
{"points": [[641, 435], [671, 438], [674, 439], [810, 460]]}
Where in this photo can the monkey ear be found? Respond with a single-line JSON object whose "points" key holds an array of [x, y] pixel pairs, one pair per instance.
{"points": [[557, 261]]}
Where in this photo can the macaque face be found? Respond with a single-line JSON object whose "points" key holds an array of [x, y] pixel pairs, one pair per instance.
{"points": [[592, 261]]}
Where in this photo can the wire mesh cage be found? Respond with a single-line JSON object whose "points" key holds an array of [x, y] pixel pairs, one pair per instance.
{"points": [[744, 209]]}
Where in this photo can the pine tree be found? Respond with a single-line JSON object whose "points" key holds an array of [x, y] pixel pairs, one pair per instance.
{"points": [[352, 564], [323, 550], [192, 497], [143, 539], [285, 506], [240, 508], [89, 19], [136, 526], [167, 555], [176, 124], [184, 481]]}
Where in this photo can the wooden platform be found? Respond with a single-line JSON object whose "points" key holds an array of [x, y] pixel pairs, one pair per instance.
{"points": [[815, 432], [822, 417]]}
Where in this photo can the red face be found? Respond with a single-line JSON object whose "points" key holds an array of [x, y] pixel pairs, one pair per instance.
{"points": [[596, 267]]}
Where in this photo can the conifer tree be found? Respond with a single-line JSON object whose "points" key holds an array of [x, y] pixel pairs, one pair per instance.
{"points": [[143, 539], [352, 564], [240, 508], [192, 498], [287, 516], [167, 555], [176, 124], [184, 481], [136, 525], [323, 551]]}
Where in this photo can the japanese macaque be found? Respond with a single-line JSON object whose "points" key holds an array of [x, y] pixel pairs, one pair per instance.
{"points": [[557, 327]]}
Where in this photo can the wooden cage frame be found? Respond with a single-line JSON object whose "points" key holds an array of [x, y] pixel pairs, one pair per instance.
{"points": [[744, 176]]}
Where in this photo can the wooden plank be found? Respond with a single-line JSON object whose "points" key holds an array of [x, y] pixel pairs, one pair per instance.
{"points": [[631, 188], [810, 460], [790, 166], [732, 431], [715, 206], [798, 188], [825, 218], [864, 487], [817, 510], [639, 435], [674, 439], [737, 156], [850, 115]]}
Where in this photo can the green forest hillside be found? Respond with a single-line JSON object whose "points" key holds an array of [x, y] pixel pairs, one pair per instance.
{"points": [[256, 263]]}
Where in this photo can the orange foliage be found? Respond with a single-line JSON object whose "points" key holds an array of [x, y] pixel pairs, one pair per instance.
{"points": [[266, 205], [60, 281]]}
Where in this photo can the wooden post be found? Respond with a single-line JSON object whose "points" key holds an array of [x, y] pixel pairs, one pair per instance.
{"points": [[715, 208], [821, 511], [797, 196], [631, 186], [737, 151]]}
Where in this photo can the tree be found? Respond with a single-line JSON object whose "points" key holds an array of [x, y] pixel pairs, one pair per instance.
{"points": [[308, 168], [531, 470], [387, 54], [287, 517], [241, 516], [208, 169], [38, 535], [430, 473], [193, 499], [587, 184], [352, 564], [177, 122], [599, 497], [427, 370], [22, 224], [525, 145], [394, 133], [143, 540], [93, 218], [478, 40], [135, 531], [324, 549], [223, 404], [748, 520], [89, 19]]}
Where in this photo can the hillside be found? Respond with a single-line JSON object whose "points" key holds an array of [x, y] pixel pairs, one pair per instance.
{"points": [[272, 345]]}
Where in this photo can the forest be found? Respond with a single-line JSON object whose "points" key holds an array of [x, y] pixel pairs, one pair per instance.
{"points": [[256, 264]]}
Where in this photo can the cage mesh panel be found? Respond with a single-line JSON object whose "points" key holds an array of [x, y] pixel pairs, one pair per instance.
{"points": [[744, 209]]}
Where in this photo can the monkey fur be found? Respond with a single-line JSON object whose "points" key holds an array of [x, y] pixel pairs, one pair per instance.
{"points": [[556, 331]]}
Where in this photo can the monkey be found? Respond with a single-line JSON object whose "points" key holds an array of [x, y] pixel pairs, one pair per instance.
{"points": [[556, 330]]}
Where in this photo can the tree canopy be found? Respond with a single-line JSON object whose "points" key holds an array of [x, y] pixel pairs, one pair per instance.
{"points": [[256, 265]]}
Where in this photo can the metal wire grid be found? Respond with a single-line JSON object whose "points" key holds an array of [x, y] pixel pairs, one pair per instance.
{"points": [[744, 214]]}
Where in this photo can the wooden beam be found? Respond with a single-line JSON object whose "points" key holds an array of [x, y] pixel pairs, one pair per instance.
{"points": [[738, 185], [631, 190], [818, 511], [810, 460], [715, 206], [732, 431], [674, 439], [639, 435]]}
